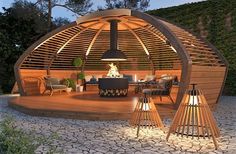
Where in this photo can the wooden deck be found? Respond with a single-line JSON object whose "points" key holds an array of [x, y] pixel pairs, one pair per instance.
{"points": [[86, 105]]}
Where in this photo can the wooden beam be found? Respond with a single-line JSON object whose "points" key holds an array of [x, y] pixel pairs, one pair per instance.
{"points": [[142, 44], [90, 46], [137, 37], [31, 49], [147, 29], [94, 39], [67, 42]]}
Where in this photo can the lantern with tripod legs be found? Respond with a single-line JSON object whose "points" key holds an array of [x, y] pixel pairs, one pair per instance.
{"points": [[145, 113], [194, 118]]}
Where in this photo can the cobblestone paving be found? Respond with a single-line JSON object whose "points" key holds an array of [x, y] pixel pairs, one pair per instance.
{"points": [[81, 136]]}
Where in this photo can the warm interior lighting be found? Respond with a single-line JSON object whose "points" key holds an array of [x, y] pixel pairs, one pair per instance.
{"points": [[146, 107], [193, 100], [113, 59], [135, 78], [193, 96], [168, 43], [173, 49]]}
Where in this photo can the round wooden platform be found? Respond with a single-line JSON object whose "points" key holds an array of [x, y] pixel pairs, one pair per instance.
{"points": [[86, 106]]}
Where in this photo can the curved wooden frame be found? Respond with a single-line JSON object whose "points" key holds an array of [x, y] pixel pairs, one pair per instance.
{"points": [[175, 42], [30, 49], [62, 47], [170, 31]]}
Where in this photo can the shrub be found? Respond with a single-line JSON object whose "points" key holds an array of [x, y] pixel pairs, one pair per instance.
{"points": [[71, 83], [16, 141], [80, 76], [77, 62]]}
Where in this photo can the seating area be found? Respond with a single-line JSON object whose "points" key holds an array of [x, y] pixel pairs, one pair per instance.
{"points": [[115, 87], [162, 88]]}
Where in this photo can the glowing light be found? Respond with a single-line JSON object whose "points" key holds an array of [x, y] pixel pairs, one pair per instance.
{"points": [[146, 107], [173, 49], [193, 100], [135, 78]]}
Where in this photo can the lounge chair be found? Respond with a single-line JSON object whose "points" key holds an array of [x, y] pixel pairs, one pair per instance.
{"points": [[161, 89], [54, 84]]}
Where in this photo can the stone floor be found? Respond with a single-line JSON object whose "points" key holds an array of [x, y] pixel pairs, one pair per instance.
{"points": [[81, 136]]}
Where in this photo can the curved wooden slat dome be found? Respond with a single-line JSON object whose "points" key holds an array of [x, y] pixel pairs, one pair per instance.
{"points": [[152, 45]]}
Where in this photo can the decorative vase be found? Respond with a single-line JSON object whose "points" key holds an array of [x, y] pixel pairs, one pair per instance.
{"points": [[68, 90], [81, 88]]}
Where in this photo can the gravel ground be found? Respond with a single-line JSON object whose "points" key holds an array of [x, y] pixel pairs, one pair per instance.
{"points": [[82, 136]]}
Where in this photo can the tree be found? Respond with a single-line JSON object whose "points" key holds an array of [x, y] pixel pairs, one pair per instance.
{"points": [[20, 26], [27, 10], [58, 22], [79, 7], [140, 5]]}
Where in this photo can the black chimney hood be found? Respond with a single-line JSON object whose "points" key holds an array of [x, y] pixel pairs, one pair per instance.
{"points": [[113, 54]]}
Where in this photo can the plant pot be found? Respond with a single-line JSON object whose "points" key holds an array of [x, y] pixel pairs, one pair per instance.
{"points": [[68, 90], [81, 88]]}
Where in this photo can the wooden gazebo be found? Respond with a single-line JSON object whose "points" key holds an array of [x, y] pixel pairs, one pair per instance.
{"points": [[152, 46]]}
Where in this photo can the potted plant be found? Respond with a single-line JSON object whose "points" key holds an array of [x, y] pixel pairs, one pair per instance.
{"points": [[69, 89], [70, 83], [81, 78], [77, 62]]}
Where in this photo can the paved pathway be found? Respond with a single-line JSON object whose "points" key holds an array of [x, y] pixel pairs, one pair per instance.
{"points": [[81, 136]]}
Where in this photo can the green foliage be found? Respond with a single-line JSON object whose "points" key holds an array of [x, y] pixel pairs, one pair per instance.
{"points": [[1, 91], [77, 62], [16, 141], [79, 7], [20, 26], [13, 141], [130, 4], [58, 22], [81, 76], [71, 83], [216, 21], [18, 30]]}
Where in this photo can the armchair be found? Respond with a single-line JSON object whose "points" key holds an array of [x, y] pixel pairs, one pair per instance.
{"points": [[54, 84], [144, 84], [161, 89], [164, 90]]}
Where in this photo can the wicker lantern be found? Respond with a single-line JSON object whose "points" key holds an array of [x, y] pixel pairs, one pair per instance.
{"points": [[194, 118], [145, 114]]}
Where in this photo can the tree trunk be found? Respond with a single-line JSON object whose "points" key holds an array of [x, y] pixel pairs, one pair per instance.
{"points": [[49, 15]]}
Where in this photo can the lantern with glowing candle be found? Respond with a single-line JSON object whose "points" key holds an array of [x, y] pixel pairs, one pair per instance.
{"points": [[145, 114], [194, 118], [193, 99]]}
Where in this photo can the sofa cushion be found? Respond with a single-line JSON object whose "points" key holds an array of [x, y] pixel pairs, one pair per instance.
{"points": [[88, 77], [59, 86], [150, 78], [93, 80], [53, 81]]}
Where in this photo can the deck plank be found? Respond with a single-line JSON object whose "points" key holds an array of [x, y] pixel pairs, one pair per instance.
{"points": [[86, 105]]}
